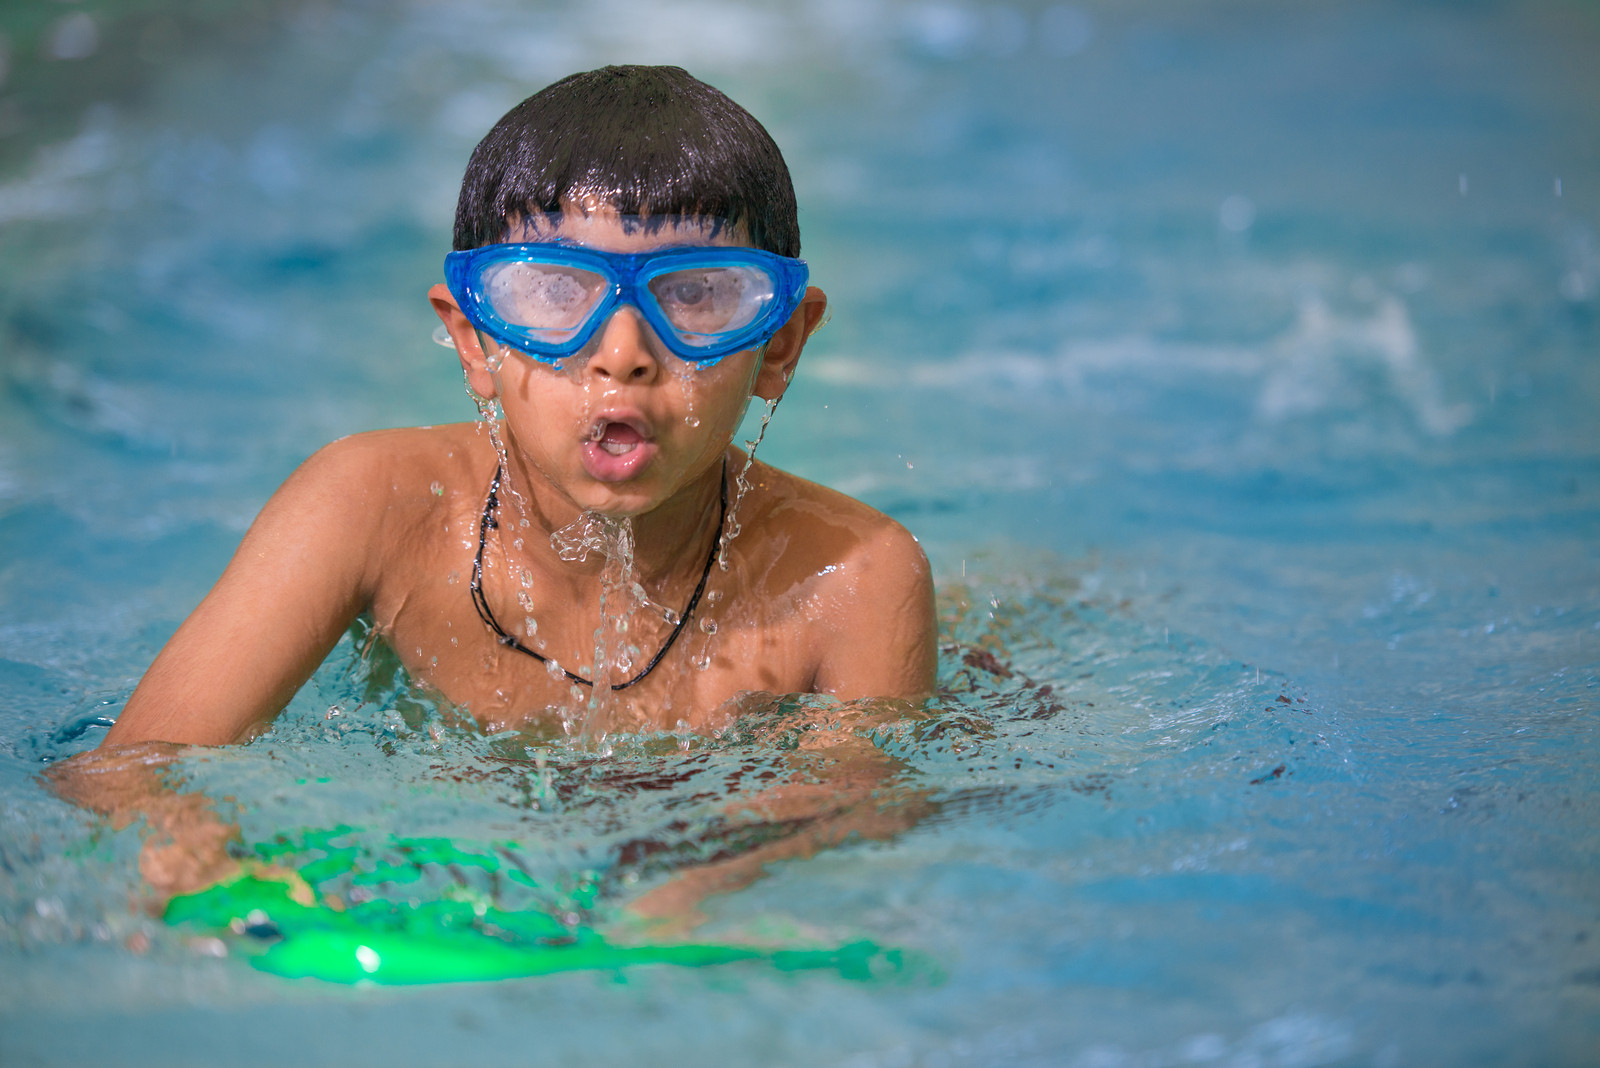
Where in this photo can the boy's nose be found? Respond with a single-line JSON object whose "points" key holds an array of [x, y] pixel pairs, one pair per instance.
{"points": [[625, 353]]}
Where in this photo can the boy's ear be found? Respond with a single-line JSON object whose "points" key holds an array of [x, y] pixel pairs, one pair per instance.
{"points": [[783, 351], [468, 348]]}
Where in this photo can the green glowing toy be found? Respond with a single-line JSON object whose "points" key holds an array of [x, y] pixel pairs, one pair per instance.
{"points": [[459, 937]]}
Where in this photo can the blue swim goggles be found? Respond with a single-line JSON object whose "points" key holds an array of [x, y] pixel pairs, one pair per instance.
{"points": [[547, 299]]}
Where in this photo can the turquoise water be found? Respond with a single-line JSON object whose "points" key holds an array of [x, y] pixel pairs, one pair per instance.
{"points": [[1235, 361]]}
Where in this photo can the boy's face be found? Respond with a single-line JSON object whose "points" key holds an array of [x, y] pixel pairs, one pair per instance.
{"points": [[624, 425]]}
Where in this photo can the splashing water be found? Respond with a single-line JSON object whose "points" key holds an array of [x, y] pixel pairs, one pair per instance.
{"points": [[741, 485], [495, 359], [490, 416], [575, 541], [621, 594], [488, 407], [619, 601], [665, 611]]}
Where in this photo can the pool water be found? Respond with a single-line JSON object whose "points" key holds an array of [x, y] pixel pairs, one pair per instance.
{"points": [[1235, 362]]}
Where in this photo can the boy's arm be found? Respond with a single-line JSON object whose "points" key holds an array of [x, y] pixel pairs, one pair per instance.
{"points": [[841, 787], [186, 844], [186, 840], [883, 636], [292, 588]]}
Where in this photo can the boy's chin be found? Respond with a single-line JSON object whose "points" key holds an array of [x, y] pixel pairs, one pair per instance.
{"points": [[625, 500], [650, 490]]}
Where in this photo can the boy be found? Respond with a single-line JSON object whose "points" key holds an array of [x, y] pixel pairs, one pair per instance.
{"points": [[624, 281]]}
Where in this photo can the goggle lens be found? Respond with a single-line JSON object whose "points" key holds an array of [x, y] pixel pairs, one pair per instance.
{"points": [[704, 303], [550, 298]]}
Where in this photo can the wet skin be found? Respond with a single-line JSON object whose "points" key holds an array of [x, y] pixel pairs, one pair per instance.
{"points": [[822, 594]]}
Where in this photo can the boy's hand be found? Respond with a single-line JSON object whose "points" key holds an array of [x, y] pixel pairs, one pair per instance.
{"points": [[186, 848]]}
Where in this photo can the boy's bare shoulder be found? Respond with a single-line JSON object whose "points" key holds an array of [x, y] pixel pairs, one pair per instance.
{"points": [[381, 483], [811, 531], [859, 580], [392, 473], [404, 455]]}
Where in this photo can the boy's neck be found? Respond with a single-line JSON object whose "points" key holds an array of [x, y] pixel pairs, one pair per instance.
{"points": [[670, 541]]}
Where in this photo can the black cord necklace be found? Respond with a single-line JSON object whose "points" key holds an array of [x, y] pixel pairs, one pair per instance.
{"points": [[482, 603]]}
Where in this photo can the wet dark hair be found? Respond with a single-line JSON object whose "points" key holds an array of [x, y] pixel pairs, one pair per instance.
{"points": [[648, 141]]}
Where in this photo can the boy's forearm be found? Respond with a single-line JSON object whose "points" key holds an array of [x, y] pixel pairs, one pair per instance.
{"points": [[843, 787]]}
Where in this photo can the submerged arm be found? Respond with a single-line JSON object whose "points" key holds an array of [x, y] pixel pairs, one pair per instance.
{"points": [[187, 842], [841, 787], [187, 847]]}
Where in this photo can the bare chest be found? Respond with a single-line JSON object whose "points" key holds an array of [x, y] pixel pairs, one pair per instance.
{"points": [[653, 676]]}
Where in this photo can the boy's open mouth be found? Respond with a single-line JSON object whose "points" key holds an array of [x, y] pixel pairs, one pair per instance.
{"points": [[618, 438], [617, 447]]}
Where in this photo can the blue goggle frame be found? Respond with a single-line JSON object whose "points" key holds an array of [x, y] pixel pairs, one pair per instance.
{"points": [[629, 275]]}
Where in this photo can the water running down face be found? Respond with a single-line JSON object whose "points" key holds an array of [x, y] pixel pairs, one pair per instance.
{"points": [[624, 424]]}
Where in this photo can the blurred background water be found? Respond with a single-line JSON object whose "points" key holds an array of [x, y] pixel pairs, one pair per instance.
{"points": [[1219, 353]]}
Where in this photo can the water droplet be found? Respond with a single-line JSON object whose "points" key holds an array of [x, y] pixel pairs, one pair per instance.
{"points": [[453, 578], [527, 579], [713, 596], [708, 626], [553, 667], [700, 663], [525, 600], [437, 488], [530, 626]]}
